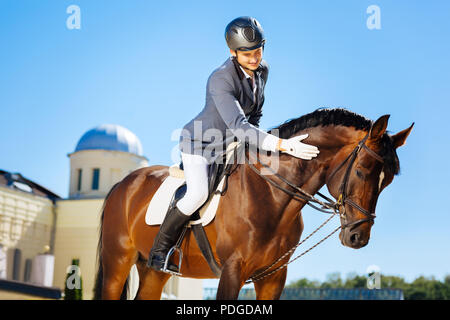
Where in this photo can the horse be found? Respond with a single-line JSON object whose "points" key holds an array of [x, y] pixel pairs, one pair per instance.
{"points": [[256, 221]]}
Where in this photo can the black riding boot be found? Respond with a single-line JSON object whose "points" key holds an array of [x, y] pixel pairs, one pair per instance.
{"points": [[166, 238]]}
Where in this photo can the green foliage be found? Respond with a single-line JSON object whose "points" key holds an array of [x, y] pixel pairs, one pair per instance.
{"points": [[304, 283], [422, 288]]}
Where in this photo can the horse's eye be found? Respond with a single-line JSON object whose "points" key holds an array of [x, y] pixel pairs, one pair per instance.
{"points": [[359, 174]]}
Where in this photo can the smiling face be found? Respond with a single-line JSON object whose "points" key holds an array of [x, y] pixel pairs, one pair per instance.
{"points": [[249, 59], [368, 176]]}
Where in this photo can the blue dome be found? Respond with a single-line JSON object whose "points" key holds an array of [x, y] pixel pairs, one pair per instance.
{"points": [[110, 137]]}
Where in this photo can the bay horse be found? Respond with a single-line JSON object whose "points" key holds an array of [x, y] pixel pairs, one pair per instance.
{"points": [[256, 222]]}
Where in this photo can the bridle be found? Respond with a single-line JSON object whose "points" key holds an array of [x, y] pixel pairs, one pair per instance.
{"points": [[343, 197], [328, 204]]}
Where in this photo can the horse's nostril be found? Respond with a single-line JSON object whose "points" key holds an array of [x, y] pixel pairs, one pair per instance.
{"points": [[354, 238]]}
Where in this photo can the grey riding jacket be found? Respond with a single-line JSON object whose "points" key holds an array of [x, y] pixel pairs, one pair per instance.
{"points": [[231, 111]]}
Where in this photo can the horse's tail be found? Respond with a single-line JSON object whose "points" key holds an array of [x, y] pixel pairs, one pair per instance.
{"points": [[99, 277]]}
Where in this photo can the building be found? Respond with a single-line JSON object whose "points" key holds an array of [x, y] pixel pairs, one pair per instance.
{"points": [[32, 217], [27, 228]]}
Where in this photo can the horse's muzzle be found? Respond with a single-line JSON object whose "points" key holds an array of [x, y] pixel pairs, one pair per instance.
{"points": [[353, 238]]}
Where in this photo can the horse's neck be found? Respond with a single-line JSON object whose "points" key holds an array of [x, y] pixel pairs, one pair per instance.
{"points": [[310, 175]]}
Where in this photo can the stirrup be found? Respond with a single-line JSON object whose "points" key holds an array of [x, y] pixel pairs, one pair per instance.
{"points": [[166, 262], [175, 248]]}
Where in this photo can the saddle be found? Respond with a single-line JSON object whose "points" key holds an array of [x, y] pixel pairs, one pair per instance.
{"points": [[216, 172]]}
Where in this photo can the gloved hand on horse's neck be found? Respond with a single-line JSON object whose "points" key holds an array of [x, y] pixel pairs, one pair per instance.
{"points": [[292, 146], [296, 148]]}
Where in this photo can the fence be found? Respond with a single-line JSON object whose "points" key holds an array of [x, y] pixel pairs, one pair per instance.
{"points": [[320, 294]]}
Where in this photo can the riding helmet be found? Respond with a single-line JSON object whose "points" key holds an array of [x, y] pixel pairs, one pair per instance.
{"points": [[244, 34]]}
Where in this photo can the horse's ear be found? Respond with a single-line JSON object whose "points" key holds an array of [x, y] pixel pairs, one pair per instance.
{"points": [[379, 127], [399, 139]]}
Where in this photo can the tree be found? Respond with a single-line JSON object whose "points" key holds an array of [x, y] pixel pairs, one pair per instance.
{"points": [[355, 281], [421, 288], [333, 280], [304, 283]]}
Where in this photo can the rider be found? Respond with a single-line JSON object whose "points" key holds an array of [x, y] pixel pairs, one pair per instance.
{"points": [[234, 99]]}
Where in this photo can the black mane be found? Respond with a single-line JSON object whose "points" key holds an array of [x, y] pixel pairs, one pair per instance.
{"points": [[323, 117], [343, 117]]}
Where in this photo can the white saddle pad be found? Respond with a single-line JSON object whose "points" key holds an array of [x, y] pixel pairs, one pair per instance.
{"points": [[157, 209], [160, 202]]}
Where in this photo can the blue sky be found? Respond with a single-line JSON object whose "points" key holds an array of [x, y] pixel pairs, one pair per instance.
{"points": [[144, 65]]}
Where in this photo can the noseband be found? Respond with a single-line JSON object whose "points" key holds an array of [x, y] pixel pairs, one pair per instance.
{"points": [[339, 206], [343, 197]]}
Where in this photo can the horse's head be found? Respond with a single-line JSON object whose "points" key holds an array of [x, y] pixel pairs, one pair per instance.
{"points": [[358, 174]]}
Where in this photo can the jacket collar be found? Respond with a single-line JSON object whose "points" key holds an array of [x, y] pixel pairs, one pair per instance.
{"points": [[244, 82]]}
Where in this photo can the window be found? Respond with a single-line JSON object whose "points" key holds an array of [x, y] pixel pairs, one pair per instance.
{"points": [[79, 180], [95, 178]]}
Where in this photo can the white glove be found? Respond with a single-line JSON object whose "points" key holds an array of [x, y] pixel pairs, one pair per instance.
{"points": [[298, 149]]}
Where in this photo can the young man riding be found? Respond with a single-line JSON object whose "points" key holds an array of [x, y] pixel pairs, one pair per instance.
{"points": [[234, 100]]}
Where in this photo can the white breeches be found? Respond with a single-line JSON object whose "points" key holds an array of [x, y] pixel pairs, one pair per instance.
{"points": [[196, 175]]}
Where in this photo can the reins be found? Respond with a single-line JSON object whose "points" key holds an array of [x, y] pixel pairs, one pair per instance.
{"points": [[328, 206], [304, 196]]}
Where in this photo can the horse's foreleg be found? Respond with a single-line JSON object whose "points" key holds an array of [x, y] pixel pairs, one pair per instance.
{"points": [[231, 280], [271, 287]]}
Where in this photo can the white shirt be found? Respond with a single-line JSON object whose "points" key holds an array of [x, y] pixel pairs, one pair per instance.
{"points": [[247, 76], [271, 141], [253, 81]]}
